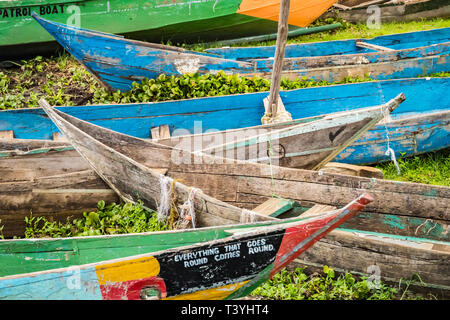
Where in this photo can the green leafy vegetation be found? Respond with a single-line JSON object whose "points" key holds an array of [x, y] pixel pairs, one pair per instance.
{"points": [[107, 219], [62, 80], [297, 285], [439, 75]]}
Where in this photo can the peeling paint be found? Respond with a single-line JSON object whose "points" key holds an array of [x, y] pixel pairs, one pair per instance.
{"points": [[185, 66]]}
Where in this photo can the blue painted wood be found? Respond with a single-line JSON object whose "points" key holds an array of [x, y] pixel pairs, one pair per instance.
{"points": [[118, 62], [424, 128]]}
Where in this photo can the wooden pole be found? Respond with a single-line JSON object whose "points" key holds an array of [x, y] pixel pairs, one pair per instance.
{"points": [[283, 29]]}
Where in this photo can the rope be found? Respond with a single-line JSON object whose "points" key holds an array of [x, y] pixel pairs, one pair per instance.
{"points": [[189, 205], [164, 197], [389, 152], [424, 225]]}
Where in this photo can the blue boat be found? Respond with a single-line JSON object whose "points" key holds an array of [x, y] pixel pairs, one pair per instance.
{"points": [[419, 125], [118, 62]]}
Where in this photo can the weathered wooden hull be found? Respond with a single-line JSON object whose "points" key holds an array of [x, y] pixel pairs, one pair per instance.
{"points": [[154, 20], [224, 268], [420, 125], [119, 62], [388, 12]]}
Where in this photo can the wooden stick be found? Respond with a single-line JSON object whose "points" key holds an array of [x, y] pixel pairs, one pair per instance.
{"points": [[283, 29]]}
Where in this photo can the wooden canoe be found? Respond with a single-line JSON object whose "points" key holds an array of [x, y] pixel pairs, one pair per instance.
{"points": [[117, 62], [389, 10], [153, 20], [229, 266], [419, 125], [396, 214]]}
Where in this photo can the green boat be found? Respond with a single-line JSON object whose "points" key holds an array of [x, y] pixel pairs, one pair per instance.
{"points": [[149, 20]]}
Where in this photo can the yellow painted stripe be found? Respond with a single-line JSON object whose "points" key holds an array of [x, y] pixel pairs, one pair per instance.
{"points": [[128, 270], [301, 13], [219, 293]]}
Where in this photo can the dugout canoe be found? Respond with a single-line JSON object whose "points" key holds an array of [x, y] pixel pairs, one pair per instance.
{"points": [[393, 233], [419, 125], [383, 11], [117, 62], [230, 266], [155, 20]]}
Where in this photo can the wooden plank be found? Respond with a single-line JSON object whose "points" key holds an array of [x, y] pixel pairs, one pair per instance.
{"points": [[8, 134], [366, 45], [275, 207], [353, 170]]}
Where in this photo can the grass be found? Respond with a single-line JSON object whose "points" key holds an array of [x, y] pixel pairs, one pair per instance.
{"points": [[61, 80]]}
